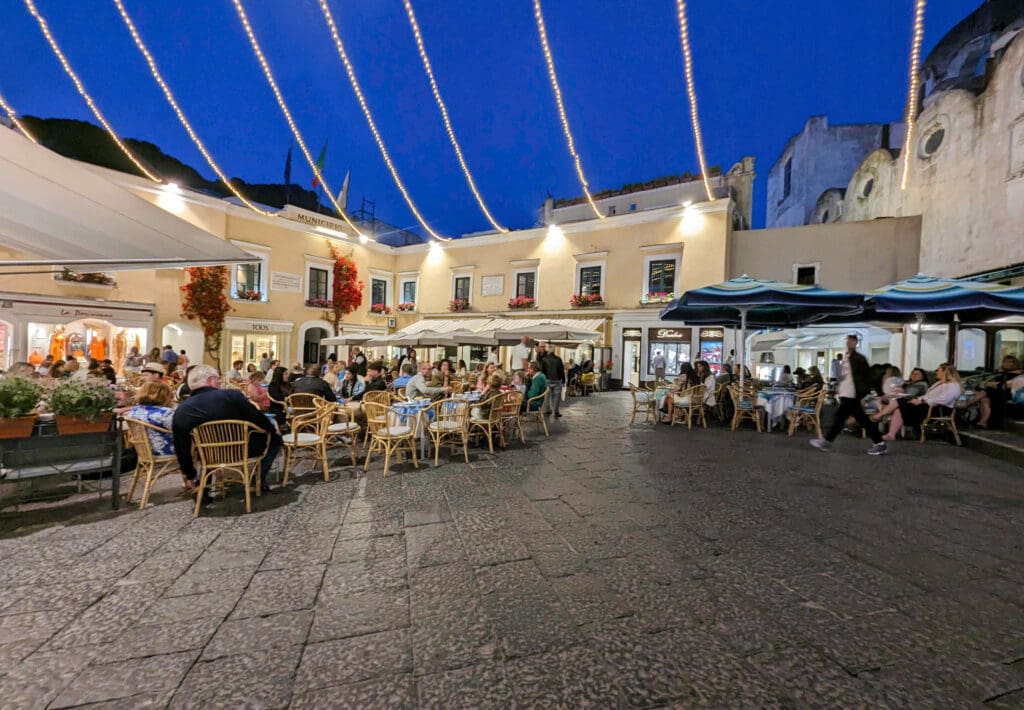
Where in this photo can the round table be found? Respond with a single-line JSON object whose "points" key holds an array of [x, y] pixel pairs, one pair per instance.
{"points": [[414, 409], [775, 403]]}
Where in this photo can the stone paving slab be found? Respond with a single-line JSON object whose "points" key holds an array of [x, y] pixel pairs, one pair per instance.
{"points": [[605, 566]]}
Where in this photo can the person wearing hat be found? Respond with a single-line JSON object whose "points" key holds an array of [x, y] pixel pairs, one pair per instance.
{"points": [[152, 372]]}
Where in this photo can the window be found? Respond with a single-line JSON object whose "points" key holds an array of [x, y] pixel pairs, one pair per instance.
{"points": [[249, 281], [612, 211], [868, 187], [661, 276], [378, 292], [931, 141], [462, 287], [805, 274], [526, 284], [318, 280], [590, 280], [675, 354], [248, 278], [408, 292], [787, 178]]}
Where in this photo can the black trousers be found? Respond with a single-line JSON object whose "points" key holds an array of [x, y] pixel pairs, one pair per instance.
{"points": [[852, 407]]}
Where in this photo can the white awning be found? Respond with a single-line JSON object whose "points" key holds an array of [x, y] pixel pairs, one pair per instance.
{"points": [[57, 212], [577, 324], [445, 325]]}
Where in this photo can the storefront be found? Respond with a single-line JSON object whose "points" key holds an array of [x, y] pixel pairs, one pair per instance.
{"points": [[712, 342], [674, 344], [247, 339], [34, 326]]}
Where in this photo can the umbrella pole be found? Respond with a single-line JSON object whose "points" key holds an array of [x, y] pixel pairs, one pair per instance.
{"points": [[920, 337], [743, 344]]}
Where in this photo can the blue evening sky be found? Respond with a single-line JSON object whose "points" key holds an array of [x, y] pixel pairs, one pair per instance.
{"points": [[761, 69]]}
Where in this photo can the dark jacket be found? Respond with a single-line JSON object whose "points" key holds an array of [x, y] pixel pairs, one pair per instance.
{"points": [[314, 385], [861, 374], [553, 368], [375, 385], [210, 404]]}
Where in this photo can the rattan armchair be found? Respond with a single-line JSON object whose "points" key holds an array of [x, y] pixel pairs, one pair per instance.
{"points": [[389, 432], [643, 401], [491, 424], [807, 409], [308, 434], [150, 468], [223, 451], [448, 421], [536, 411], [744, 406], [511, 416], [342, 429], [692, 409]]}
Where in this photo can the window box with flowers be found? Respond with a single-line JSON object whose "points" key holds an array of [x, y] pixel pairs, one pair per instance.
{"points": [[522, 303], [586, 300], [380, 309], [244, 295], [655, 297], [457, 305], [319, 303], [90, 279], [407, 307]]}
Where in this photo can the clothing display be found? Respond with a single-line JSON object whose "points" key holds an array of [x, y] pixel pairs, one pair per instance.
{"points": [[58, 343], [98, 348], [120, 350]]}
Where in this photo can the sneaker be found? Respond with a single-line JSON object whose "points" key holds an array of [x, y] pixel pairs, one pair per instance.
{"points": [[558, 414], [879, 449], [822, 444]]}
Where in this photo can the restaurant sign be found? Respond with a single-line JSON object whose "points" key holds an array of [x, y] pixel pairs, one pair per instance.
{"points": [[679, 335], [711, 333]]}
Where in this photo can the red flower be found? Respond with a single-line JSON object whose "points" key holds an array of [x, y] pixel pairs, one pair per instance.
{"points": [[206, 301], [347, 295]]}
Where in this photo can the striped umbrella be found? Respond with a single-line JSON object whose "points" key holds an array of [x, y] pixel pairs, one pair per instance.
{"points": [[747, 301]]}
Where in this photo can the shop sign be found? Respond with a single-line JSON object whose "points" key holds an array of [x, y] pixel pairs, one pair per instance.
{"points": [[258, 326], [285, 282], [711, 333], [681, 335], [139, 315], [632, 333]]}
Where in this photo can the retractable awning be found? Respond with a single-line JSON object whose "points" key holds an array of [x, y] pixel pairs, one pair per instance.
{"points": [[56, 212]]}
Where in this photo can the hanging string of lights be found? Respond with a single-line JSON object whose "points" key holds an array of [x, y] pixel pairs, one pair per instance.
{"points": [[691, 93], [332, 26], [158, 77], [913, 94], [542, 30], [265, 65], [14, 119], [85, 94], [447, 121]]}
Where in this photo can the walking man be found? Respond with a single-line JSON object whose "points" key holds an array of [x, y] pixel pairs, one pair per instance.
{"points": [[658, 363], [853, 387], [554, 370]]}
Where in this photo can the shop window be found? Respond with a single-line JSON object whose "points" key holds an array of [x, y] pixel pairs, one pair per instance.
{"points": [[675, 355], [661, 276], [1009, 341], [970, 349], [378, 292], [462, 287], [526, 284], [318, 280], [590, 280]]}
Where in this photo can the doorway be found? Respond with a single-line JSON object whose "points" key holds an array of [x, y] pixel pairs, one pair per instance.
{"points": [[631, 362]]}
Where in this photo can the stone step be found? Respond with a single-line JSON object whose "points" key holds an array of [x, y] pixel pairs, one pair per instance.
{"points": [[1005, 445]]}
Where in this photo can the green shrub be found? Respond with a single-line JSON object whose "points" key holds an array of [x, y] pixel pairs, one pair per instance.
{"points": [[85, 399], [18, 397]]}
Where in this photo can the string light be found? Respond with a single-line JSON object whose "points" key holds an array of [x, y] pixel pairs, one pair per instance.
{"points": [[14, 119], [369, 119], [914, 92], [538, 15], [85, 94], [444, 115], [265, 65], [691, 93], [181, 115]]}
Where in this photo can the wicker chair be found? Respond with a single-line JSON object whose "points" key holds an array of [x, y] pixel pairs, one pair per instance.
{"points": [[511, 416], [223, 450], [388, 433], [490, 425], [939, 416], [302, 403], [643, 401], [807, 409], [744, 406], [374, 397], [693, 409], [398, 393], [448, 422], [588, 382], [150, 468], [536, 411], [342, 430], [309, 433]]}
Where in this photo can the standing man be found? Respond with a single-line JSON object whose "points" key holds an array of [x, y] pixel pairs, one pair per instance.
{"points": [[853, 387], [836, 370], [731, 360], [658, 363], [265, 363], [554, 370], [209, 403], [358, 361], [168, 355], [520, 355]]}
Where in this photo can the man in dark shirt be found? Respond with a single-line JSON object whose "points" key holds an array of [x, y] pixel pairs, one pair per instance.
{"points": [[209, 403], [358, 362], [554, 370], [373, 382], [312, 383]]}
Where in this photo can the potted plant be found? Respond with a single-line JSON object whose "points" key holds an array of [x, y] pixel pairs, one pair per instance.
{"points": [[457, 305], [406, 306], [82, 406], [245, 295], [657, 297], [583, 300], [522, 302], [318, 303], [380, 309], [18, 398]]}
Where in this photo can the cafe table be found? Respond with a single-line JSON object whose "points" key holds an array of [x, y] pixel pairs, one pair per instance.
{"points": [[414, 410], [776, 401]]}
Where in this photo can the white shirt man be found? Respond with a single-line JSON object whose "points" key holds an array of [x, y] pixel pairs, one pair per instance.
{"points": [[521, 355], [492, 356]]}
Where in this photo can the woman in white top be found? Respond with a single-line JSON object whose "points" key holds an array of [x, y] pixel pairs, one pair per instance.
{"points": [[944, 393]]}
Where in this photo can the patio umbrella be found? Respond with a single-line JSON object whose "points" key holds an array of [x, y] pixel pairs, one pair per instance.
{"points": [[546, 331], [413, 340], [747, 301], [348, 339]]}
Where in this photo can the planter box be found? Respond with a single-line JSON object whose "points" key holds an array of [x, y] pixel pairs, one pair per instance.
{"points": [[17, 427], [73, 425], [595, 304]]}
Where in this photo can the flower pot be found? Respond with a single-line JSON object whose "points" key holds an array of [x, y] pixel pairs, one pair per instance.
{"points": [[17, 427], [74, 425]]}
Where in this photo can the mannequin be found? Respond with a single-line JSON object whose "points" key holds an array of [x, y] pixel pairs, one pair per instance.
{"points": [[35, 359], [98, 347], [58, 343], [120, 350]]}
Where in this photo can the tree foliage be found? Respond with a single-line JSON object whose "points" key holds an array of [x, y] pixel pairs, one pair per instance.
{"points": [[348, 289], [206, 301]]}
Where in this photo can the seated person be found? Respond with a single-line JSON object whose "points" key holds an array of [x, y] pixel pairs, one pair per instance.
{"points": [[786, 378], [443, 375], [1016, 387], [417, 387], [725, 376], [235, 373], [350, 386], [538, 386], [484, 379], [995, 393], [209, 403], [519, 381], [256, 392], [278, 391], [153, 406], [674, 398], [374, 382], [911, 412], [892, 392], [312, 383], [813, 378], [483, 409], [407, 371]]}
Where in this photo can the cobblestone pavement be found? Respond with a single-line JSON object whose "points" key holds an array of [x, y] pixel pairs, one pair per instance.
{"points": [[607, 566]]}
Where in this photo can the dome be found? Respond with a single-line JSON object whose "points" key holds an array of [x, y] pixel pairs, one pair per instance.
{"points": [[959, 60]]}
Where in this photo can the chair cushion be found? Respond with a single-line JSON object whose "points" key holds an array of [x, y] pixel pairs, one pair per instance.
{"points": [[443, 426], [396, 430], [643, 397], [474, 420], [303, 437], [342, 426]]}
